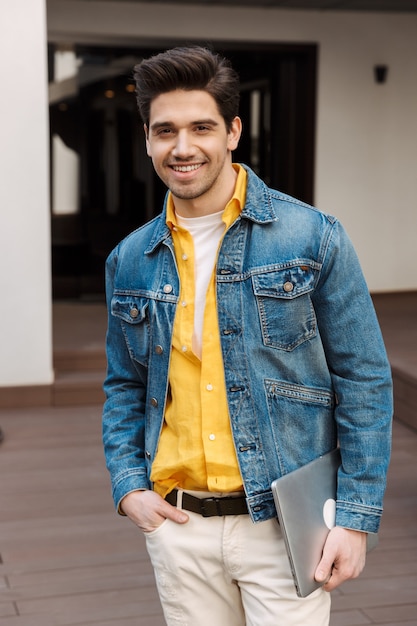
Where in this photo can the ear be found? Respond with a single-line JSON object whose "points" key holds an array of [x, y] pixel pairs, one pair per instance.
{"points": [[234, 134], [148, 146]]}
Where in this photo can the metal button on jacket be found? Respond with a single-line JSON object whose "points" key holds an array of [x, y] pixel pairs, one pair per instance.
{"points": [[134, 312], [167, 288], [288, 286]]}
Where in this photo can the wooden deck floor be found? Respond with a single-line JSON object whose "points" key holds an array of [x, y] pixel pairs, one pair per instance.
{"points": [[68, 560]]}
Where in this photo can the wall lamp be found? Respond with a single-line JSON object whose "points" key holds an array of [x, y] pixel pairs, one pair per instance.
{"points": [[380, 73]]}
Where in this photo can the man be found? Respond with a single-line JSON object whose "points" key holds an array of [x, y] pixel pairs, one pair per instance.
{"points": [[242, 343]]}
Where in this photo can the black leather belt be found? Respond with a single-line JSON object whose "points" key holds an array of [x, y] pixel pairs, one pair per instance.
{"points": [[210, 507]]}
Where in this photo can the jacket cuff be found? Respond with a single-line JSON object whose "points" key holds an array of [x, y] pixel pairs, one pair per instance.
{"points": [[358, 517]]}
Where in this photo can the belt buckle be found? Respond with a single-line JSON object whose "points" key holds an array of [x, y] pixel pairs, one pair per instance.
{"points": [[213, 507]]}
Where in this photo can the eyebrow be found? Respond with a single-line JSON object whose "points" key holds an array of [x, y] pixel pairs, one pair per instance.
{"points": [[206, 122]]}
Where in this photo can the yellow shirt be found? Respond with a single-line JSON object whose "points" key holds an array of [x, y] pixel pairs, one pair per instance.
{"points": [[196, 449]]}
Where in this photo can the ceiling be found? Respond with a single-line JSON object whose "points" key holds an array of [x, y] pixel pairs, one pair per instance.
{"points": [[397, 6]]}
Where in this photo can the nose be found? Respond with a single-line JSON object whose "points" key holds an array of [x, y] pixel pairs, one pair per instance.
{"points": [[183, 147]]}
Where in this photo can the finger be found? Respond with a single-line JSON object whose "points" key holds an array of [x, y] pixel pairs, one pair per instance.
{"points": [[323, 572], [325, 567], [335, 579], [176, 515]]}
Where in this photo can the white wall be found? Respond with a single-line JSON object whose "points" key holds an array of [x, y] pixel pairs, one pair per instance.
{"points": [[25, 312], [366, 133], [367, 142]]}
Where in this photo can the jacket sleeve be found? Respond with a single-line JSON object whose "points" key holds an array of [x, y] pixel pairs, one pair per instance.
{"points": [[361, 377], [124, 408]]}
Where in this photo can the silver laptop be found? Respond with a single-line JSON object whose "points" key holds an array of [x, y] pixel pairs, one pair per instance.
{"points": [[305, 500]]}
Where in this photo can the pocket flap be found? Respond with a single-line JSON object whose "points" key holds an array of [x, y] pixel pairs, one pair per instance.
{"points": [[288, 282], [131, 309]]}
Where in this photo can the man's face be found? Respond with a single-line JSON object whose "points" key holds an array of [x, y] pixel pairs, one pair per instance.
{"points": [[190, 146]]}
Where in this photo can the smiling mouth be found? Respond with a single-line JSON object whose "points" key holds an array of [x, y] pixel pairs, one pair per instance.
{"points": [[185, 168]]}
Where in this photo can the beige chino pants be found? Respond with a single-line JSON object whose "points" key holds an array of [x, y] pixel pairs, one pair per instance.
{"points": [[228, 571]]}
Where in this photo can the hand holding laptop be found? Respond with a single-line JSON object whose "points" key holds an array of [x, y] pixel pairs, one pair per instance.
{"points": [[305, 500], [344, 556]]}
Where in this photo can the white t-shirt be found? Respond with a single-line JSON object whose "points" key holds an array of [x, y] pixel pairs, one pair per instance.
{"points": [[206, 232]]}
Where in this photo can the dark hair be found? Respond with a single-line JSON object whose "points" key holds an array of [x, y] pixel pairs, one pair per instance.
{"points": [[188, 68]]}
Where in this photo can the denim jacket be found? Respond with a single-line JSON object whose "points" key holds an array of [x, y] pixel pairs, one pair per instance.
{"points": [[305, 364]]}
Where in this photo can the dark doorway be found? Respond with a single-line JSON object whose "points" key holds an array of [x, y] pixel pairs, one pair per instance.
{"points": [[119, 190]]}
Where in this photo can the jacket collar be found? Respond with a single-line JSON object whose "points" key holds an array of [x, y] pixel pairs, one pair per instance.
{"points": [[258, 208]]}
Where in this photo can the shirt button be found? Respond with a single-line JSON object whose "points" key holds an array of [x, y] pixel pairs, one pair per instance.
{"points": [[183, 303], [184, 257], [167, 288], [184, 348], [209, 387], [212, 437], [288, 286]]}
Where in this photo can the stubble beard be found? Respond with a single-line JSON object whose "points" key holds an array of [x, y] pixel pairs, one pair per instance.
{"points": [[197, 189], [182, 193]]}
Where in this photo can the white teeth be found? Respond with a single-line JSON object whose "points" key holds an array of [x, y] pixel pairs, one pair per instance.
{"points": [[185, 168]]}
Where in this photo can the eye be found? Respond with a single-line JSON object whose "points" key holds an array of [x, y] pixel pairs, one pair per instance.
{"points": [[164, 132], [202, 128]]}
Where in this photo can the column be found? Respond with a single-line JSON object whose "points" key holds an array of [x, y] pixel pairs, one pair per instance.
{"points": [[25, 272]]}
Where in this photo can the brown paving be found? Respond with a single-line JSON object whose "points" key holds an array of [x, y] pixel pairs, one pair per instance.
{"points": [[68, 560]]}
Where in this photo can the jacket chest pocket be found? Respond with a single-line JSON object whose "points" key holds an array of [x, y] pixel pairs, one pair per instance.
{"points": [[285, 309], [133, 314]]}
